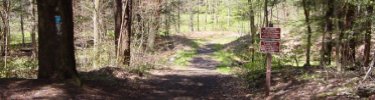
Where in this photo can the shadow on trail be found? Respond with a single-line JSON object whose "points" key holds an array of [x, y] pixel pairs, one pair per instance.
{"points": [[184, 41], [96, 85], [114, 83], [191, 87], [202, 59]]}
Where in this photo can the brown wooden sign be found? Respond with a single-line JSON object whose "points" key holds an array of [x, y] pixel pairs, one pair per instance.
{"points": [[270, 46], [270, 40], [270, 33]]}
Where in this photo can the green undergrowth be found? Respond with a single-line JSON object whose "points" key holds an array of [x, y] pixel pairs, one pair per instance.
{"points": [[223, 69], [19, 67]]}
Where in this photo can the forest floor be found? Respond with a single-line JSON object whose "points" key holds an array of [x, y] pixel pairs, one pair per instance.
{"points": [[192, 72], [199, 79]]}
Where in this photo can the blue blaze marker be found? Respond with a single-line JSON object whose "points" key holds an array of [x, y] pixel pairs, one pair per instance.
{"points": [[58, 19]]}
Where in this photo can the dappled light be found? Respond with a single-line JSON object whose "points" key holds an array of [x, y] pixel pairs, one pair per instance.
{"points": [[187, 49]]}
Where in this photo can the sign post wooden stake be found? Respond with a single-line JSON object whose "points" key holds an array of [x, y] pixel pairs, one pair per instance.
{"points": [[270, 43], [268, 73]]}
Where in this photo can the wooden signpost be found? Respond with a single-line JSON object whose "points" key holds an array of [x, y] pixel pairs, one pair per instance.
{"points": [[269, 44]]}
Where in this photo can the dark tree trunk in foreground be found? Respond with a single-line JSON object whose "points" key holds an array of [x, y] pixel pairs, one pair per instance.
{"points": [[123, 30], [56, 56]]}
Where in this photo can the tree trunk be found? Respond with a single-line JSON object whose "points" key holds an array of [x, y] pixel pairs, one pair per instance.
{"points": [[6, 28], [228, 14], [327, 40], [265, 13], [96, 31], [347, 52], [206, 14], [307, 20], [21, 22], [56, 56], [353, 39], [253, 29], [5, 16], [368, 37], [95, 19], [179, 16], [123, 22], [198, 15], [191, 19], [33, 28], [340, 24], [156, 25]]}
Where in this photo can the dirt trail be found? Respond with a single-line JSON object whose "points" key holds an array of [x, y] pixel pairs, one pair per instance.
{"points": [[197, 81]]}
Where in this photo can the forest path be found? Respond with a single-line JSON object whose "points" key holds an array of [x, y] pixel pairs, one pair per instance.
{"points": [[199, 79]]}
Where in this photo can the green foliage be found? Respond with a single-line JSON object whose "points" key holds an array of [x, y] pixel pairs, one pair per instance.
{"points": [[21, 67], [226, 58], [17, 38], [223, 69], [253, 71]]}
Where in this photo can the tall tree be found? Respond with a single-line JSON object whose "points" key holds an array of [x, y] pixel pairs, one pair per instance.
{"points": [[4, 38], [179, 3], [326, 49], [340, 15], [198, 3], [191, 24], [34, 19], [56, 56], [95, 19], [306, 9], [123, 22], [252, 27], [22, 24], [368, 33], [96, 31], [5, 15], [156, 26]]}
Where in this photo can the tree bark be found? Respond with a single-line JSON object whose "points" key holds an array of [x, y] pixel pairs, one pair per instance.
{"points": [[5, 16], [123, 35], [368, 36], [340, 24], [95, 19], [56, 56], [198, 15], [5, 13], [253, 29], [309, 31], [33, 28], [348, 45], [191, 19], [22, 22], [96, 30], [327, 40], [179, 16], [156, 25]]}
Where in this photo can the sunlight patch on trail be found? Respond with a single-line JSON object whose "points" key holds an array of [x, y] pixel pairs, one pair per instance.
{"points": [[209, 54]]}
